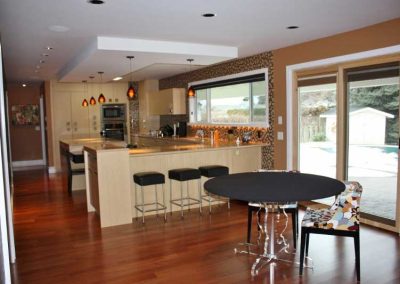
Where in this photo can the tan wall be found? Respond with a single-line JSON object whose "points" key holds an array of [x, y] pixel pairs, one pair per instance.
{"points": [[25, 140], [372, 37]]}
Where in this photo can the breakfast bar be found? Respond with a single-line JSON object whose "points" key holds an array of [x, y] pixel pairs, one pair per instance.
{"points": [[110, 168]]}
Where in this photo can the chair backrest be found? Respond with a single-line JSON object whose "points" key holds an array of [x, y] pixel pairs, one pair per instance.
{"points": [[347, 208]]}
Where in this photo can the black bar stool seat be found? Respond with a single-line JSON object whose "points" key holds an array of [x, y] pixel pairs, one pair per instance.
{"points": [[148, 178], [210, 172], [214, 171], [182, 175], [145, 179]]}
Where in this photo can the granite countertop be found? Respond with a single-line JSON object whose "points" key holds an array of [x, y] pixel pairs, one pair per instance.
{"points": [[206, 146], [183, 144]]}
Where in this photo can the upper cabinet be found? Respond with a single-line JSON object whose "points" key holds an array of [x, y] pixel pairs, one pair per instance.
{"points": [[168, 101], [115, 92]]}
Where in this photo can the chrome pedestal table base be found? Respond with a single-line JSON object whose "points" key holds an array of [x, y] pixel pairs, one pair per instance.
{"points": [[269, 255]]}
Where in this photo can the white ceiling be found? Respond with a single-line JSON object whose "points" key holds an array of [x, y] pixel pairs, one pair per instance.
{"points": [[249, 27]]}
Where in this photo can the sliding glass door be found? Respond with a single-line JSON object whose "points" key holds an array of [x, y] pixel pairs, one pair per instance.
{"points": [[317, 126], [348, 128], [373, 135]]}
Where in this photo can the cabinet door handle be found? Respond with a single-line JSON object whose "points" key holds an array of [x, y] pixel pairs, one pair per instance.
{"points": [[68, 123]]}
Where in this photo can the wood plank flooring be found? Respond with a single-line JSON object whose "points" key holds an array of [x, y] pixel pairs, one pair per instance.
{"points": [[57, 241]]}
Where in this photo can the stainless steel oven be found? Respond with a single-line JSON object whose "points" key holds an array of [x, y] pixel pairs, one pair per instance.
{"points": [[113, 121], [112, 112]]}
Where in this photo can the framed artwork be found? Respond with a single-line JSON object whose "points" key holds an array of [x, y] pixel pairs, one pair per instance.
{"points": [[25, 115]]}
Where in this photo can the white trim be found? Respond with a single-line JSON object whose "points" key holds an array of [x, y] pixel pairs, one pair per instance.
{"points": [[29, 163], [233, 76], [51, 170], [290, 69]]}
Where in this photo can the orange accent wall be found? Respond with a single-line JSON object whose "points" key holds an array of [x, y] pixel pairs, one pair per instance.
{"points": [[372, 37], [26, 142]]}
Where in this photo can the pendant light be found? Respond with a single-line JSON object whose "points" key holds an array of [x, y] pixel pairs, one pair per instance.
{"points": [[85, 102], [190, 92], [102, 98], [131, 91], [92, 100]]}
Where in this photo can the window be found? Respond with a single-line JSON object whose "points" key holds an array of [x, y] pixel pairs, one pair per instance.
{"points": [[238, 100]]}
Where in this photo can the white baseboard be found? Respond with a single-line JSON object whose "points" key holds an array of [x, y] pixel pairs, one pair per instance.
{"points": [[30, 163]]}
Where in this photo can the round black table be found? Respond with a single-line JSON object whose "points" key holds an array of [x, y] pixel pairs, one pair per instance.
{"points": [[274, 186], [272, 189]]}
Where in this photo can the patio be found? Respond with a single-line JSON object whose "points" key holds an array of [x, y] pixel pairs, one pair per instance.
{"points": [[375, 167]]}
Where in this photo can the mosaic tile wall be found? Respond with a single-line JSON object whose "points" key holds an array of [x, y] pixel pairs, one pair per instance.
{"points": [[258, 61], [134, 112]]}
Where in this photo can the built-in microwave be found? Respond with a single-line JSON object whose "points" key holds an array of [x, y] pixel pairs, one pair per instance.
{"points": [[111, 112]]}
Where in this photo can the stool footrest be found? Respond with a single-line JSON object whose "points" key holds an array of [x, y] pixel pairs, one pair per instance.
{"points": [[177, 202], [213, 199], [160, 207]]}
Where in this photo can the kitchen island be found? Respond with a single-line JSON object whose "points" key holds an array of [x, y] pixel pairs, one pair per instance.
{"points": [[110, 167]]}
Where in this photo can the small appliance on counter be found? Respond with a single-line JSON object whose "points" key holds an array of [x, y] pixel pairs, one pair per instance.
{"points": [[246, 137], [182, 128]]}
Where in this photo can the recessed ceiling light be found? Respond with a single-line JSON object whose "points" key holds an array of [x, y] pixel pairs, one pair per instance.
{"points": [[292, 27], [49, 48], [209, 15], [24, 85], [37, 66], [45, 54], [58, 29], [96, 2], [117, 78], [42, 61]]}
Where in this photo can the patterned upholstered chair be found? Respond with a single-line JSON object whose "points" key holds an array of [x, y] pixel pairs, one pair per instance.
{"points": [[342, 219], [289, 207]]}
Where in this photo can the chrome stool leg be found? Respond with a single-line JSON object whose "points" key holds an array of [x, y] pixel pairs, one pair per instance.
{"points": [[136, 204], [181, 200], [170, 196], [199, 190], [155, 188], [142, 193], [187, 194], [165, 205]]}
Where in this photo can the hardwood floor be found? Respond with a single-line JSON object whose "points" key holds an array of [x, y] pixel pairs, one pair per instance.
{"points": [[58, 242]]}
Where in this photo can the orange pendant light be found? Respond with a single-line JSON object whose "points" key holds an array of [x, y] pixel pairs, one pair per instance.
{"points": [[191, 93], [131, 93], [92, 101], [102, 98], [85, 103]]}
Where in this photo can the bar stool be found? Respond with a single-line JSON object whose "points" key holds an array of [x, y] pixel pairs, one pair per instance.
{"points": [[210, 172], [181, 175], [145, 179], [75, 167]]}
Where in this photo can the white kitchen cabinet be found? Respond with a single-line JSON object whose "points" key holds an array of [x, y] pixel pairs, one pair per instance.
{"points": [[168, 101], [119, 93], [79, 114], [62, 114]]}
